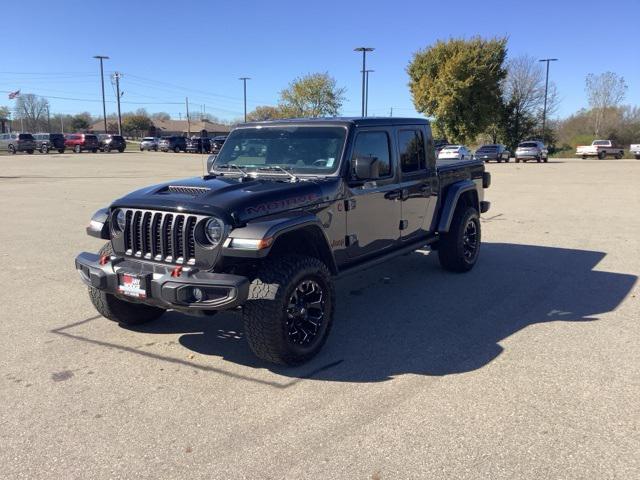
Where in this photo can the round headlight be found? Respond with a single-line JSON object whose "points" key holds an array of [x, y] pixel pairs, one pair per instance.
{"points": [[214, 230], [121, 220]]}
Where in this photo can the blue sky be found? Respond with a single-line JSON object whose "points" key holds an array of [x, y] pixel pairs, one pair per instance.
{"points": [[169, 50]]}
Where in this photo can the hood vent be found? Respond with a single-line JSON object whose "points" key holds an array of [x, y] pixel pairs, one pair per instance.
{"points": [[186, 190]]}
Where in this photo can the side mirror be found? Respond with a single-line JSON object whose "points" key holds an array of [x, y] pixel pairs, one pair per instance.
{"points": [[210, 161], [366, 168]]}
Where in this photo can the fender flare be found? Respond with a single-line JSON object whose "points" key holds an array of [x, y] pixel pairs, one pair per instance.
{"points": [[454, 192], [99, 225], [274, 228]]}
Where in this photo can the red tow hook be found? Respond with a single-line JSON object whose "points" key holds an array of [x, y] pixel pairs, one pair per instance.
{"points": [[104, 259], [176, 272]]}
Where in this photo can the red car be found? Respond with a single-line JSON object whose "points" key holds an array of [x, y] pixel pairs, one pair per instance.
{"points": [[81, 141]]}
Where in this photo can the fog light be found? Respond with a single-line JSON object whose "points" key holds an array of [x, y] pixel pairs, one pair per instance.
{"points": [[198, 294]]}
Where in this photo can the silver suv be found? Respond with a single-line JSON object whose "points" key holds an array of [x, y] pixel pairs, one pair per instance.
{"points": [[532, 150], [17, 142]]}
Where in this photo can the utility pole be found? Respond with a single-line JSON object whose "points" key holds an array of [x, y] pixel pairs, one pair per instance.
{"points": [[188, 119], [366, 95], [244, 81], [364, 51], [48, 119], [104, 105], [546, 89], [117, 77]]}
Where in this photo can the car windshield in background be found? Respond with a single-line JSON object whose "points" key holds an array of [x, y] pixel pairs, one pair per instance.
{"points": [[488, 148], [453, 149], [302, 150], [528, 145]]}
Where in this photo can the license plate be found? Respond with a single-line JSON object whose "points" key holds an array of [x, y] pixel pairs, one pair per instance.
{"points": [[132, 285]]}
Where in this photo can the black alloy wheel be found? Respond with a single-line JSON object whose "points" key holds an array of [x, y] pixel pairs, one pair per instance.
{"points": [[305, 313], [470, 240]]}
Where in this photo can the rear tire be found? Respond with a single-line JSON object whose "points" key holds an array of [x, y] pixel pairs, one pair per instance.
{"points": [[637, 157], [12, 150], [121, 311], [289, 313], [61, 150], [77, 149], [120, 150], [30, 152], [44, 149], [458, 249], [618, 156], [176, 150]]}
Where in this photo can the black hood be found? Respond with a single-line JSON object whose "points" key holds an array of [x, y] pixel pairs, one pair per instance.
{"points": [[233, 199]]}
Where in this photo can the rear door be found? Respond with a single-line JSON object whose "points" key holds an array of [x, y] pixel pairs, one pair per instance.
{"points": [[373, 206], [415, 187]]}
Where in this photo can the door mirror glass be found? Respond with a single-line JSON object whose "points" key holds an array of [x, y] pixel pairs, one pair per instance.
{"points": [[366, 168]]}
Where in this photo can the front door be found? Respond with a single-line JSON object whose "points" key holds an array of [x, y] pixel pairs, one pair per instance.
{"points": [[374, 205]]}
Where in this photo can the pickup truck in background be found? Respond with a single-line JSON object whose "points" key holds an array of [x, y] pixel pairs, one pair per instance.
{"points": [[285, 208], [635, 150], [600, 149]]}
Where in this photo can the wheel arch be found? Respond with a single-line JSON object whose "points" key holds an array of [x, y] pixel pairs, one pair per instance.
{"points": [[460, 193]]}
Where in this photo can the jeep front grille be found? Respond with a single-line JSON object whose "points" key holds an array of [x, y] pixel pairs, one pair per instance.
{"points": [[160, 236]]}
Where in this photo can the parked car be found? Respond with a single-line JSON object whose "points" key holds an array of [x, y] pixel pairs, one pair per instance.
{"points": [[600, 149], [271, 233], [495, 152], [49, 141], [79, 142], [199, 145], [17, 142], [455, 152], [635, 150], [112, 142], [532, 150], [174, 143], [149, 143], [216, 144]]}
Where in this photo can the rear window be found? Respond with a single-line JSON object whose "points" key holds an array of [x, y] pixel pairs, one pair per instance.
{"points": [[90, 137], [25, 136], [117, 137], [488, 147], [528, 145]]}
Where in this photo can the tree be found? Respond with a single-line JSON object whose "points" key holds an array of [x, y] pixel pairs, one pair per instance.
{"points": [[162, 116], [32, 111], [459, 83], [313, 95], [265, 112], [81, 121], [136, 124], [5, 112], [605, 92]]}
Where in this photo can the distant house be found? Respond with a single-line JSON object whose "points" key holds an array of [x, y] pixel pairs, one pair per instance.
{"points": [[181, 128]]}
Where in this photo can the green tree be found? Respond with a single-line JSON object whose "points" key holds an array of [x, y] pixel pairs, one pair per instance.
{"points": [[458, 82], [136, 124], [81, 121], [265, 112], [313, 95]]}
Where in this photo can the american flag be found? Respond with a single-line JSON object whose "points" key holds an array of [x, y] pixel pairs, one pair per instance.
{"points": [[13, 95]]}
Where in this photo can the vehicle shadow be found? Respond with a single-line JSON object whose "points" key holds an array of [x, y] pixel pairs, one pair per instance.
{"points": [[409, 316]]}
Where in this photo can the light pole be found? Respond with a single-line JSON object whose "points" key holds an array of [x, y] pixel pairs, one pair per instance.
{"points": [[244, 82], [117, 76], [104, 106], [546, 89], [364, 51], [366, 94]]}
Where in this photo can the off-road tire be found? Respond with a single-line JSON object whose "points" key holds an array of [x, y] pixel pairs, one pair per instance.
{"points": [[265, 312], [121, 311], [451, 246]]}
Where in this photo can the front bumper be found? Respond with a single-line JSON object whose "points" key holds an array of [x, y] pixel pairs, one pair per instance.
{"points": [[222, 291]]}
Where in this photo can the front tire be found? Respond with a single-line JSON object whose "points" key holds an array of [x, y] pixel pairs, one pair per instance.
{"points": [[602, 155], [61, 150], [289, 313], [12, 150], [458, 249], [77, 149], [121, 311]]}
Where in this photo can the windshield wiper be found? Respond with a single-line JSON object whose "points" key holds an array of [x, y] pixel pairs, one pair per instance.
{"points": [[278, 167], [232, 165]]}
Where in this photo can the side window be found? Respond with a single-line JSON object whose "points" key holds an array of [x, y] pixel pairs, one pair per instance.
{"points": [[374, 144], [411, 146]]}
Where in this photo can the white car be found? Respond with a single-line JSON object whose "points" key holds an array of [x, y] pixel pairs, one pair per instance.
{"points": [[635, 150], [455, 152]]}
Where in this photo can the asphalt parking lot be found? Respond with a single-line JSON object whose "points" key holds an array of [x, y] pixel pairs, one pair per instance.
{"points": [[527, 367]]}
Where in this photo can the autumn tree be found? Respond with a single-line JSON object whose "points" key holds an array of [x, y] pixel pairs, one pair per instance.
{"points": [[313, 95], [458, 82]]}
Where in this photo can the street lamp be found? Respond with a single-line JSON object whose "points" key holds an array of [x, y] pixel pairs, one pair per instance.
{"points": [[244, 81], [546, 89], [366, 94], [104, 106], [364, 51]]}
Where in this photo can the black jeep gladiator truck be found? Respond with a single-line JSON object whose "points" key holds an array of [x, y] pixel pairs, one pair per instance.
{"points": [[286, 206]]}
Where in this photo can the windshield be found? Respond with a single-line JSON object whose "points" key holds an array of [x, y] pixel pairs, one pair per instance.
{"points": [[313, 150], [601, 142], [488, 147], [453, 148], [528, 145]]}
